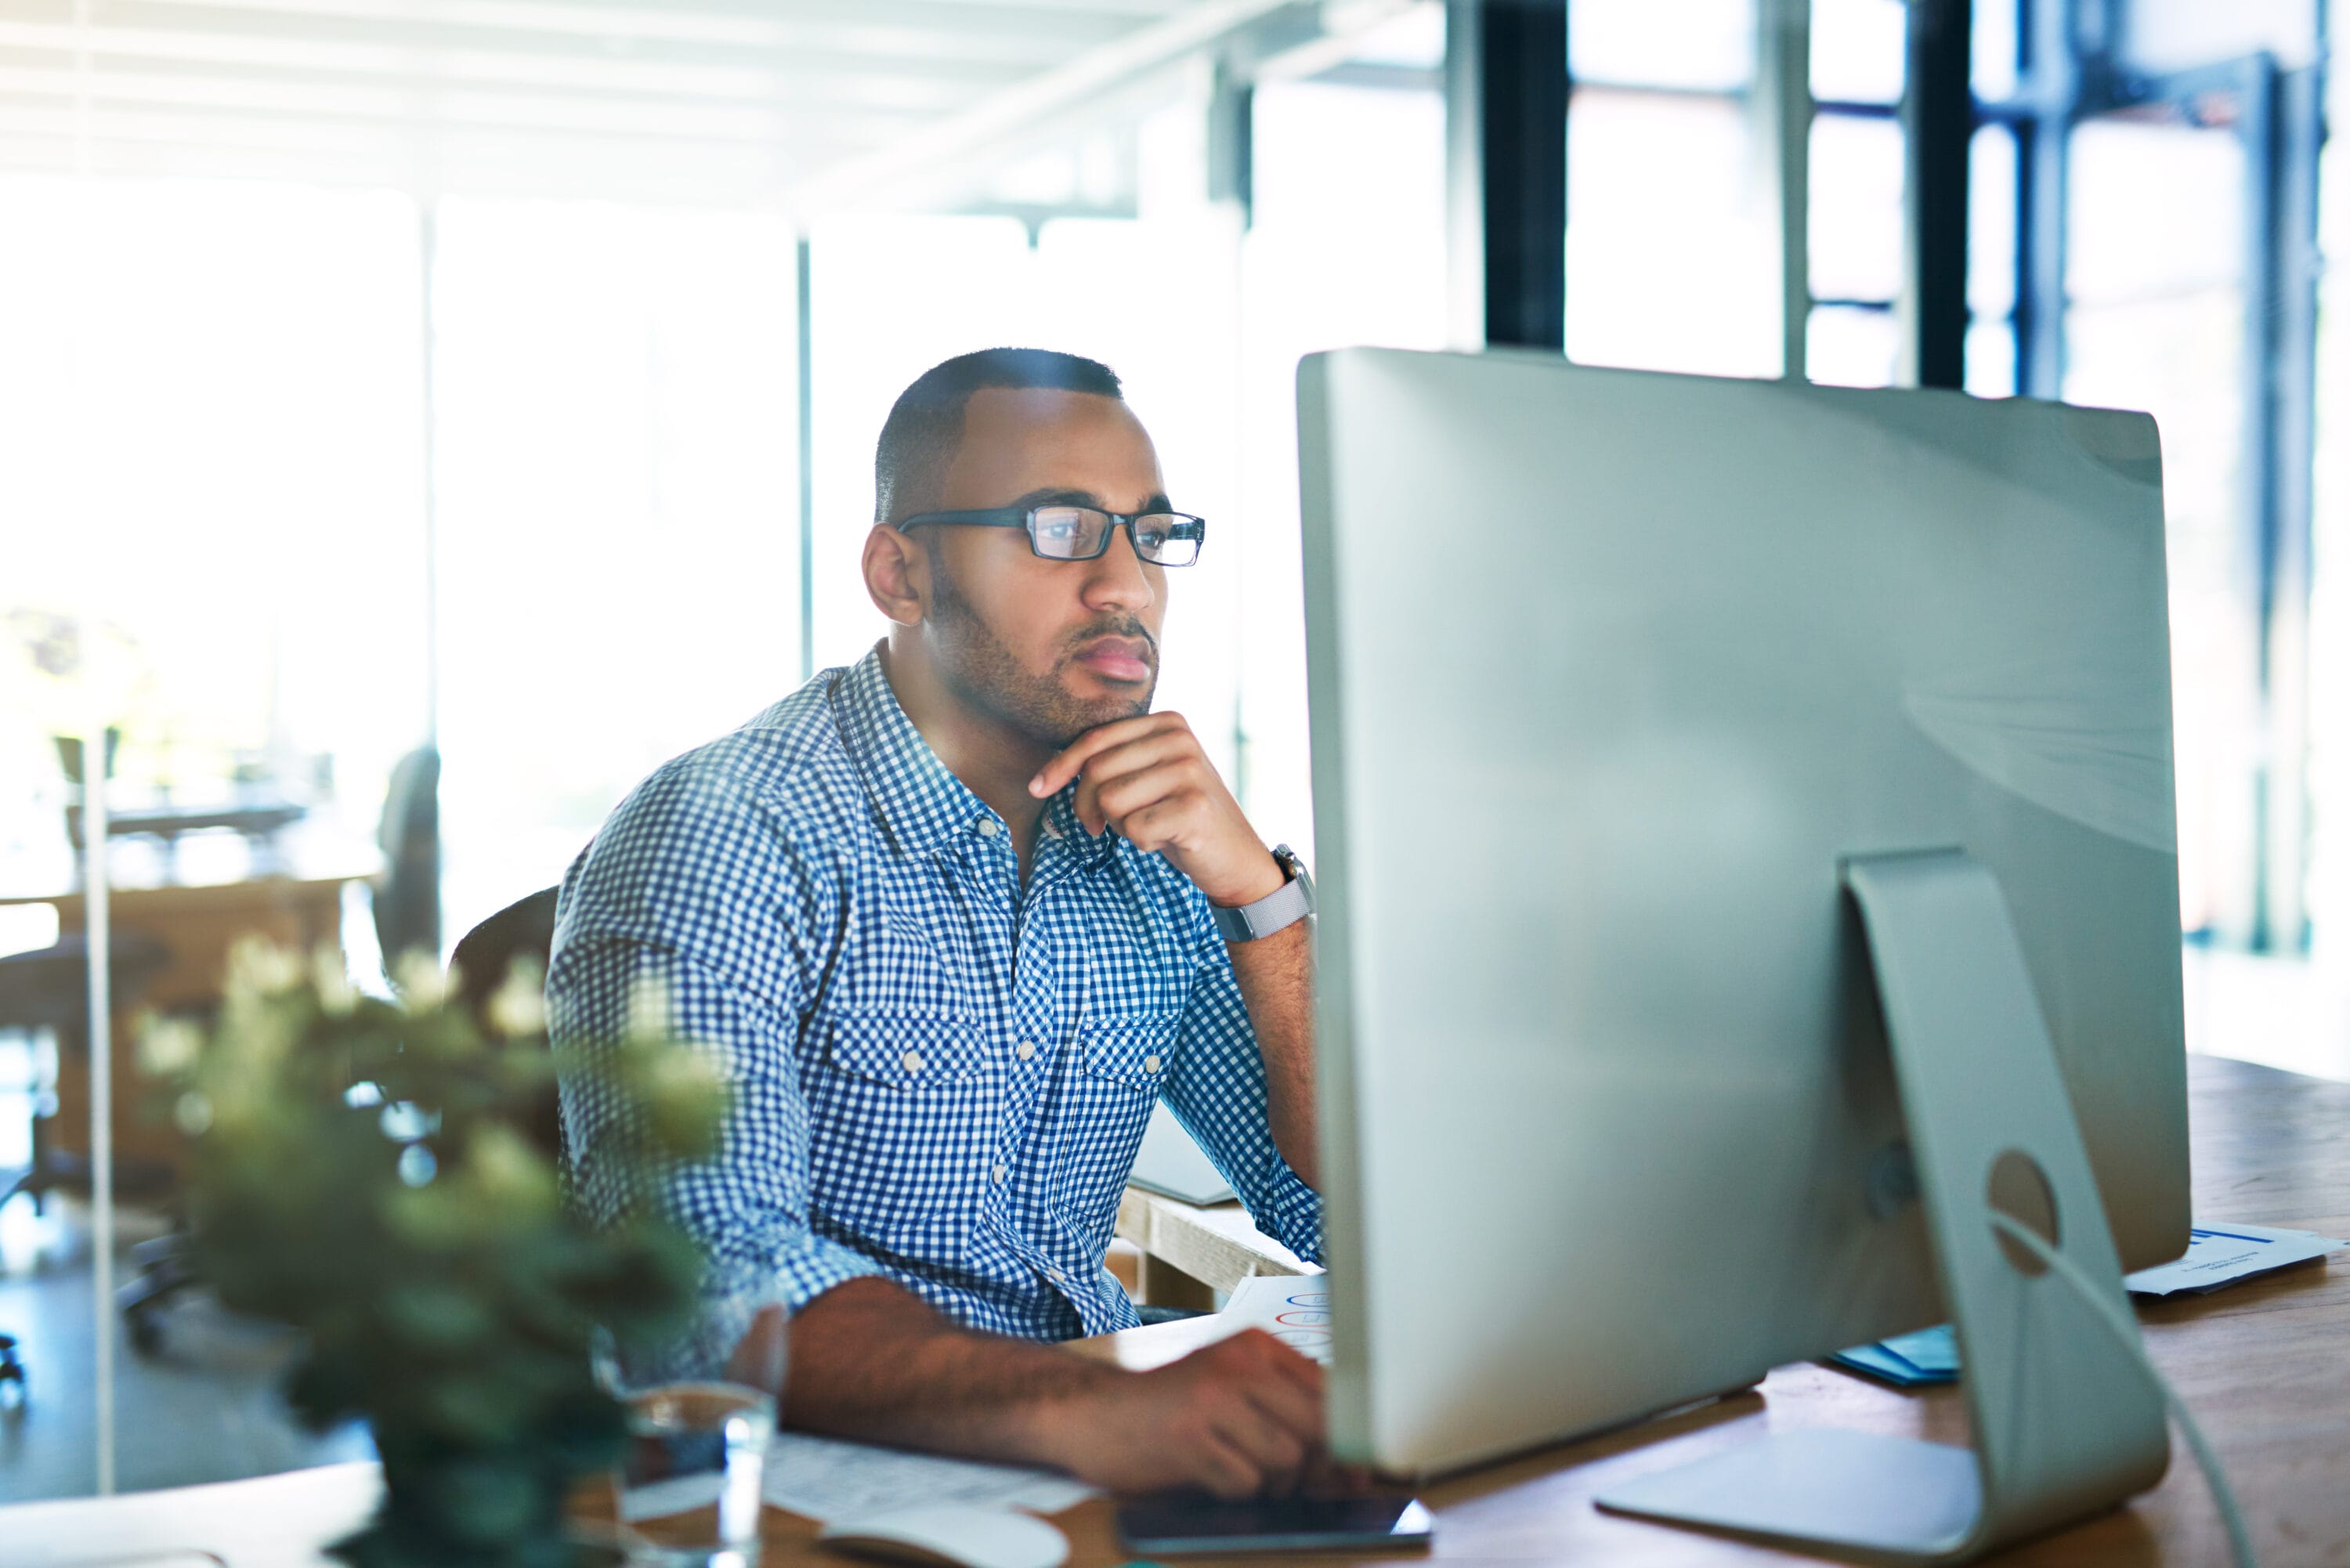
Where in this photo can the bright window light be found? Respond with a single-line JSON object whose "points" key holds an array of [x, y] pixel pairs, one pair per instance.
{"points": [[209, 398], [1855, 208], [1348, 249], [619, 514], [1859, 50], [1704, 46], [2157, 322], [1672, 256]]}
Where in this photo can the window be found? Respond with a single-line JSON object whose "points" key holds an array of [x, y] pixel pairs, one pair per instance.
{"points": [[2155, 320], [1859, 66], [1671, 242], [1348, 248], [209, 419], [618, 452]]}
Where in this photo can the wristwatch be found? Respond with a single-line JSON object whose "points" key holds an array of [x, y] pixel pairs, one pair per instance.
{"points": [[1284, 906]]}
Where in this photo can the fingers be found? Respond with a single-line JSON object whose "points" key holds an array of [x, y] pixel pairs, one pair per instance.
{"points": [[1243, 1419], [1138, 757], [1150, 811], [1292, 1402], [1283, 1391], [1284, 1383], [1277, 1454], [1126, 778], [1079, 755], [1072, 760], [1326, 1476]]}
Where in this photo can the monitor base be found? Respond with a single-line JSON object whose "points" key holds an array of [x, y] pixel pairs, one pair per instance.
{"points": [[2066, 1423], [1890, 1498]]}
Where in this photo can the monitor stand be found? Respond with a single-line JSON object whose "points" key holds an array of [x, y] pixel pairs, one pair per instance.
{"points": [[2066, 1424]]}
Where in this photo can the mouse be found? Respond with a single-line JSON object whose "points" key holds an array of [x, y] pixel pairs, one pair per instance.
{"points": [[951, 1535]]}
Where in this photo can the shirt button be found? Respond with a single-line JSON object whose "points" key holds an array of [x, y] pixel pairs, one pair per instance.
{"points": [[999, 1174], [1150, 1064], [987, 827], [913, 1060], [1025, 1049], [1055, 1275]]}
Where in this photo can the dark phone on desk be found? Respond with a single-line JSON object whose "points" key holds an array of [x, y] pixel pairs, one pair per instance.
{"points": [[1194, 1522]]}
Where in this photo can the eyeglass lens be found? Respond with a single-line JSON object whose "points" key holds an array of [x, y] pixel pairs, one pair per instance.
{"points": [[1079, 533]]}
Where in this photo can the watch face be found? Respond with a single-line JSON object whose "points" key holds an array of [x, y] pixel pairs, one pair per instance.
{"points": [[1295, 867]]}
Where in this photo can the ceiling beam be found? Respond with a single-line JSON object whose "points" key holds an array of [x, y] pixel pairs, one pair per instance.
{"points": [[685, 34], [939, 163], [30, 50]]}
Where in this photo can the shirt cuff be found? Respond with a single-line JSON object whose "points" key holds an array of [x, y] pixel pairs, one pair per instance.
{"points": [[733, 1291], [817, 1265], [1292, 1216]]}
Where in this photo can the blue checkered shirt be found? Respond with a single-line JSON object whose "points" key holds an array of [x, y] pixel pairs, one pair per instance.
{"points": [[940, 1075]]}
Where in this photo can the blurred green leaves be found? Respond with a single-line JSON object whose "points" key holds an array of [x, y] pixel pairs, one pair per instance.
{"points": [[362, 1169]]}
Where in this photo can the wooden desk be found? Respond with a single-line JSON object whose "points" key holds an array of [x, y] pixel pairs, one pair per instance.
{"points": [[2265, 1366], [1188, 1250]]}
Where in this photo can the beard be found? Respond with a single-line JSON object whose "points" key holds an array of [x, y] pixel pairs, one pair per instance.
{"points": [[984, 674]]}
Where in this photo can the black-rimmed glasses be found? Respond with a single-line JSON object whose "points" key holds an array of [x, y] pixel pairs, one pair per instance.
{"points": [[1083, 533]]}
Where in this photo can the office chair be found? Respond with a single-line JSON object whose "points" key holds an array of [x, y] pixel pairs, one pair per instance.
{"points": [[407, 895], [523, 928]]}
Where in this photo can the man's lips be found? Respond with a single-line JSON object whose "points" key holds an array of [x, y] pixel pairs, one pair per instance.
{"points": [[1117, 658]]}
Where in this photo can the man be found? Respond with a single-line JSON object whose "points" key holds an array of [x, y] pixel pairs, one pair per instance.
{"points": [[952, 919]]}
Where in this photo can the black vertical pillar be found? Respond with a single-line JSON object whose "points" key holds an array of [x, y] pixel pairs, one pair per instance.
{"points": [[2052, 86], [1937, 113], [2281, 121], [1231, 142], [1517, 78]]}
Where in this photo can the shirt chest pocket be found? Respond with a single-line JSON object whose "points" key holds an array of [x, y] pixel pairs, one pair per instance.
{"points": [[902, 1126], [1134, 1050], [1127, 982], [905, 1052]]}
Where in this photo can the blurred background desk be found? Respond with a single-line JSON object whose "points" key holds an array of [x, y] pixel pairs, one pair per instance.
{"points": [[186, 931], [199, 922]]}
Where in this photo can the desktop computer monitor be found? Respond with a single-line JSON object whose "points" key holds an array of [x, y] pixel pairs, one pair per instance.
{"points": [[1613, 677]]}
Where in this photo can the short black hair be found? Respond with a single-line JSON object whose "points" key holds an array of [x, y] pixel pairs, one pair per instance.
{"points": [[925, 425]]}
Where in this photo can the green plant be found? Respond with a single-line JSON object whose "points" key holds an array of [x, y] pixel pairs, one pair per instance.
{"points": [[359, 1170]]}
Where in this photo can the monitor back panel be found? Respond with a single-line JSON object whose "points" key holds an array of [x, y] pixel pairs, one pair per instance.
{"points": [[1608, 670]]}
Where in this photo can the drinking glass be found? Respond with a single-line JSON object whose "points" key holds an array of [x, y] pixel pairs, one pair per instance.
{"points": [[699, 1429]]}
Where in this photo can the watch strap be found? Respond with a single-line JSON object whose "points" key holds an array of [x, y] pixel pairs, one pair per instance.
{"points": [[1283, 906]]}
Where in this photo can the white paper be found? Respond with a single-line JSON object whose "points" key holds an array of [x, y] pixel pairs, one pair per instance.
{"points": [[828, 1479], [2222, 1254], [678, 1494], [1293, 1308]]}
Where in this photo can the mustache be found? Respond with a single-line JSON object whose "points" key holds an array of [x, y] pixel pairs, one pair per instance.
{"points": [[1114, 626]]}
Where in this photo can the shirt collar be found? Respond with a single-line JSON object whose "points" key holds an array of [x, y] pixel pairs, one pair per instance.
{"points": [[920, 803], [923, 805]]}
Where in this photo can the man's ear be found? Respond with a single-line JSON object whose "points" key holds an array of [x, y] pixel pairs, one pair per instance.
{"points": [[897, 575]]}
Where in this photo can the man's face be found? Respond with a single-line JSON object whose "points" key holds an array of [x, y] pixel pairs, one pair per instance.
{"points": [[1051, 649]]}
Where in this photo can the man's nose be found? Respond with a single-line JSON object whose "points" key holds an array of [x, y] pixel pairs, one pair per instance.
{"points": [[1116, 579]]}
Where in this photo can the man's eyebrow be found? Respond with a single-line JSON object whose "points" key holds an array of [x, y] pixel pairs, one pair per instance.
{"points": [[1158, 501]]}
